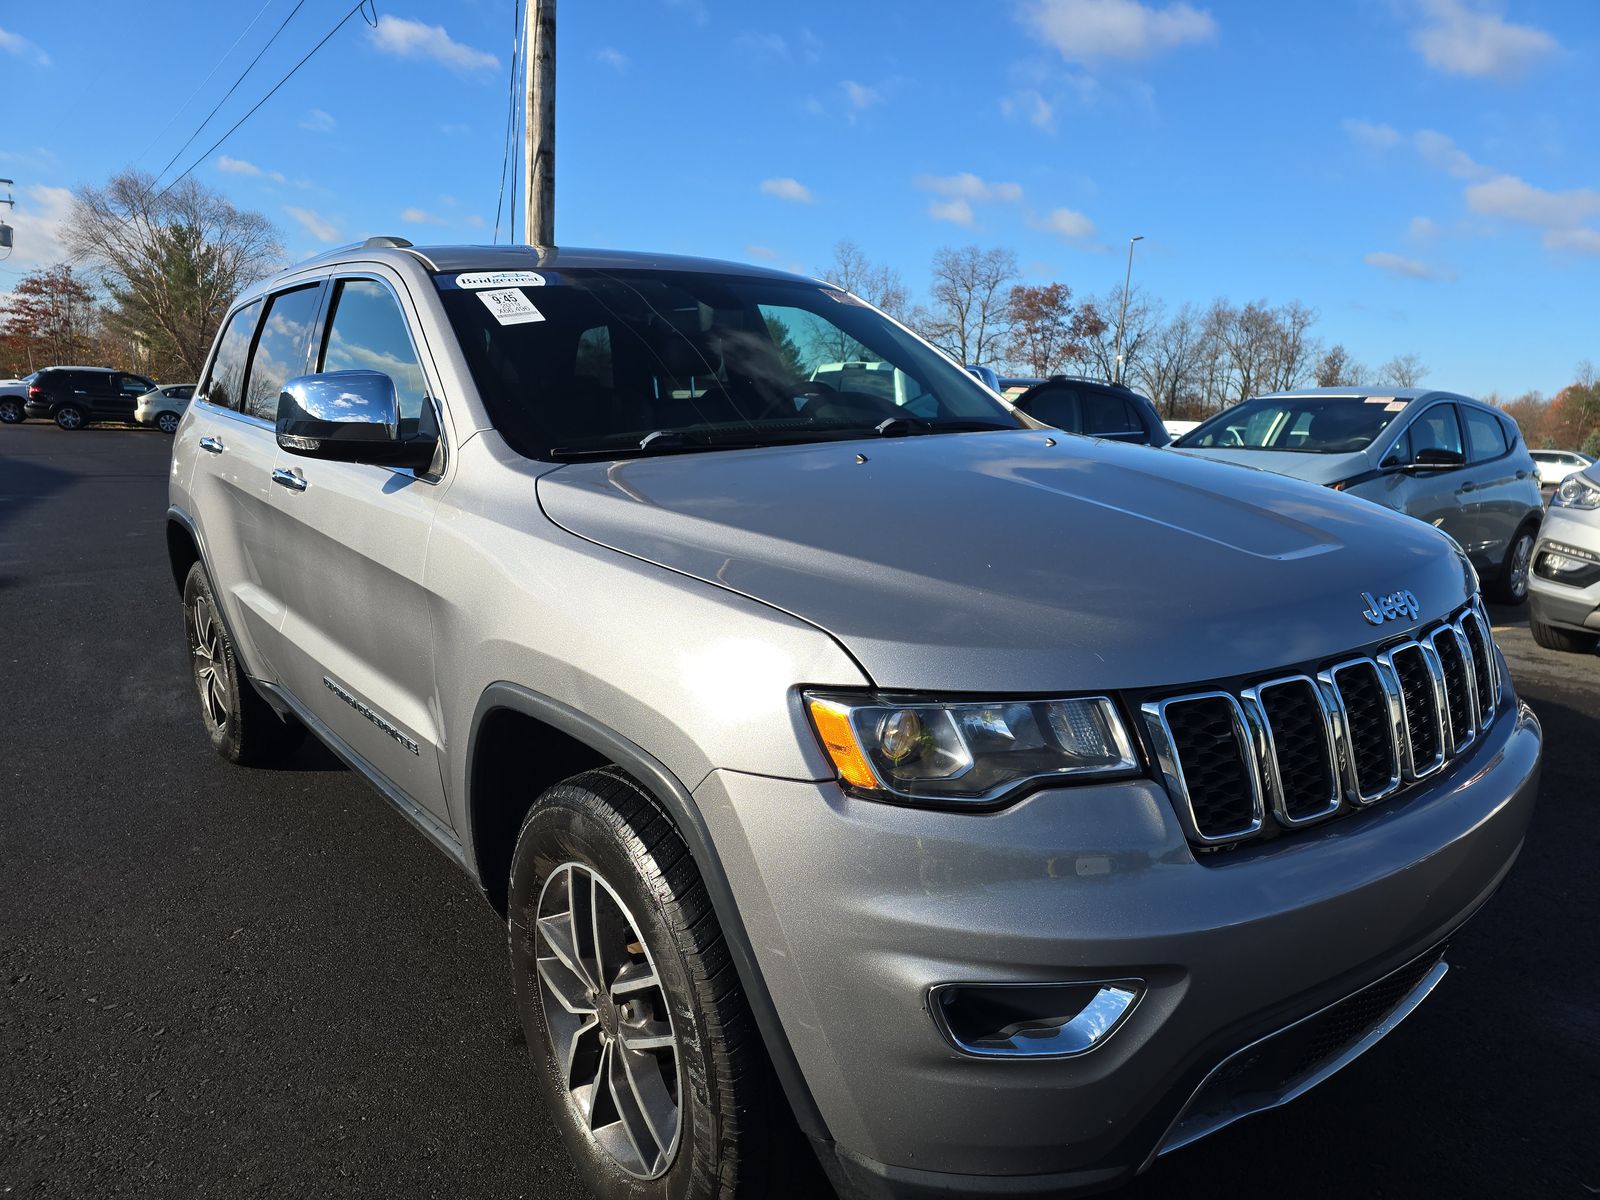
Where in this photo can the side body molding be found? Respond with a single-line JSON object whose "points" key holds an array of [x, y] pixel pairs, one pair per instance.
{"points": [[671, 794]]}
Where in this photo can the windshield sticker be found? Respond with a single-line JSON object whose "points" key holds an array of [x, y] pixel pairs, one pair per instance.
{"points": [[499, 279], [510, 307], [1378, 400], [1394, 406], [846, 298]]}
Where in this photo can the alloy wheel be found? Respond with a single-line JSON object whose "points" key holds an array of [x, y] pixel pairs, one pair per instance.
{"points": [[1520, 558], [609, 1024], [10, 411], [167, 423], [69, 418], [210, 667]]}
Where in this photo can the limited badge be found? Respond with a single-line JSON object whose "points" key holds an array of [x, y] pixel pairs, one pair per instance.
{"points": [[510, 307], [499, 279]]}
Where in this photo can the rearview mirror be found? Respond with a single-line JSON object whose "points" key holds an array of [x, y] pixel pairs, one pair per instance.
{"points": [[348, 416]]}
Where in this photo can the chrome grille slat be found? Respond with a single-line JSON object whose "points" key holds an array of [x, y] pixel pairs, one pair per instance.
{"points": [[1356, 733]]}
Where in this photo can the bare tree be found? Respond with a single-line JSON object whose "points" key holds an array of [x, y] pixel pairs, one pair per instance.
{"points": [[1141, 321], [1293, 347], [880, 286], [968, 318], [1171, 369], [171, 261], [1337, 369], [1402, 371]]}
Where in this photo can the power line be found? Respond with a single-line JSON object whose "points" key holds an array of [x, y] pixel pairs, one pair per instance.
{"points": [[511, 108], [373, 21], [298, 6], [214, 67]]}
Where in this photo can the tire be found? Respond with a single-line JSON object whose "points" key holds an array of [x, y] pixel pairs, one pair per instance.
{"points": [[1511, 586], [11, 411], [600, 841], [241, 725], [167, 422], [70, 416], [1553, 637]]}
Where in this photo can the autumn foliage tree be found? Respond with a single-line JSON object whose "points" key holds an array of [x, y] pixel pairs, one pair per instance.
{"points": [[1048, 330], [49, 319]]}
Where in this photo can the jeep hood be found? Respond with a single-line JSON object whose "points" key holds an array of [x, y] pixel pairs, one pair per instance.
{"points": [[998, 562]]}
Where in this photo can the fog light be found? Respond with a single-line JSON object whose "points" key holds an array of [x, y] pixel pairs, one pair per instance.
{"points": [[1032, 1020]]}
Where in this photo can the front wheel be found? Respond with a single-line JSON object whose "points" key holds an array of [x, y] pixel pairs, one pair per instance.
{"points": [[1554, 637], [646, 1053], [70, 416], [1512, 585], [11, 410]]}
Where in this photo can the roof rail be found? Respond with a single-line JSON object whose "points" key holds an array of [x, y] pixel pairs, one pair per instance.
{"points": [[1061, 378], [384, 239]]}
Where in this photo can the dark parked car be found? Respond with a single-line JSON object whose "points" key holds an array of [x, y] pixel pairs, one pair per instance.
{"points": [[74, 396], [1095, 409]]}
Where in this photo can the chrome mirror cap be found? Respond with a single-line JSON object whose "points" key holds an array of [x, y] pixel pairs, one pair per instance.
{"points": [[337, 406]]}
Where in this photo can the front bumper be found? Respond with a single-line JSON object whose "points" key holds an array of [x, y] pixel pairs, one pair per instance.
{"points": [[856, 910], [1559, 603]]}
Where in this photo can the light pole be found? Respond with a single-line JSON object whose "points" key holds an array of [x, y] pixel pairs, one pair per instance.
{"points": [[1116, 375]]}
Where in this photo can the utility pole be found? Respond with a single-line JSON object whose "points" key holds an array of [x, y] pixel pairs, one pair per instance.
{"points": [[539, 149], [5, 230], [1116, 373]]}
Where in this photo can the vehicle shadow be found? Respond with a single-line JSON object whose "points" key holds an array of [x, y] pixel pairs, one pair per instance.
{"points": [[25, 483]]}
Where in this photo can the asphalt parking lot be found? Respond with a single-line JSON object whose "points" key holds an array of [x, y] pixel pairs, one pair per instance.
{"points": [[220, 982]]}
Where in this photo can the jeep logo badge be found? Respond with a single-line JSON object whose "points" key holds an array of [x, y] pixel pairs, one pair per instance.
{"points": [[1391, 607]]}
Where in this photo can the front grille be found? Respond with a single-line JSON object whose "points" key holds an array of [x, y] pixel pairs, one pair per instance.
{"points": [[1421, 704], [1355, 733], [1209, 739], [1284, 1064]]}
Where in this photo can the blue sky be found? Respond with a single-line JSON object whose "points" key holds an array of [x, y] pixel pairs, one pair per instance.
{"points": [[1424, 173]]}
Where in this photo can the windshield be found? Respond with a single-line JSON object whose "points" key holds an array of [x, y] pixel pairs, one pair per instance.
{"points": [[588, 362], [1305, 424]]}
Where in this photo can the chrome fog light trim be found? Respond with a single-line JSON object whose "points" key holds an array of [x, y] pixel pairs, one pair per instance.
{"points": [[1032, 1020]]}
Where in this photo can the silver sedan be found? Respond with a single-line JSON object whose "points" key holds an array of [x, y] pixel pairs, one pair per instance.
{"points": [[163, 406]]}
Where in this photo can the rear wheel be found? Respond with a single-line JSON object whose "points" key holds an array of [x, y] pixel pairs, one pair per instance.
{"points": [[167, 422], [646, 1053], [70, 416], [10, 410], [1553, 637], [241, 725], [1512, 585]]}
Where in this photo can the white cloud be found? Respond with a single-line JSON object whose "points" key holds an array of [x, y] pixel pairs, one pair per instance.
{"points": [[1031, 105], [612, 57], [758, 44], [314, 223], [1066, 222], [239, 166], [1087, 30], [415, 39], [1516, 200], [318, 121], [421, 216], [1422, 229], [36, 224], [1469, 38], [695, 10], [764, 253], [1374, 136], [1439, 150], [15, 43], [788, 189], [1410, 268], [957, 210], [1583, 240], [860, 95], [967, 186]]}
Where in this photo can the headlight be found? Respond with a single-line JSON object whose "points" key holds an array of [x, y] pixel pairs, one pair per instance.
{"points": [[968, 752], [1576, 492]]}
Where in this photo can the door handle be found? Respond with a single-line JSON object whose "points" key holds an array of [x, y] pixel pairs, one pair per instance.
{"points": [[1466, 487], [1522, 474], [211, 444], [289, 479]]}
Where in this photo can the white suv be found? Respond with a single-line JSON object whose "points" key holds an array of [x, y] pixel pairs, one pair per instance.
{"points": [[1556, 465]]}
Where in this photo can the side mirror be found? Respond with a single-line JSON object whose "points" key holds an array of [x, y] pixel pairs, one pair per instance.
{"points": [[348, 416], [1433, 458]]}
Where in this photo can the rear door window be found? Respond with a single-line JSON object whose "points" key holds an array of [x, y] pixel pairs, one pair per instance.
{"points": [[132, 386], [225, 384], [1485, 438], [281, 348], [1055, 406], [1105, 414]]}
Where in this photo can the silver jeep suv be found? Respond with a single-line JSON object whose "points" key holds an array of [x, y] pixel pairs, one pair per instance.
{"points": [[999, 807]]}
